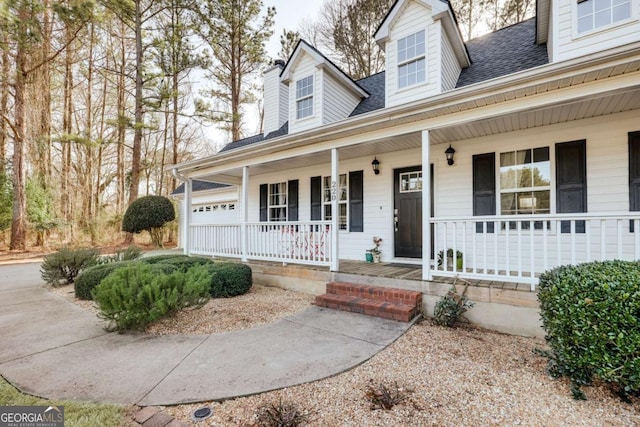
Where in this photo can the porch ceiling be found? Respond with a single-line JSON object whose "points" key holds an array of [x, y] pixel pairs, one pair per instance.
{"points": [[609, 103]]}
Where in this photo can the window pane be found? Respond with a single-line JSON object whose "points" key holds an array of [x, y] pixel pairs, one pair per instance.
{"points": [[585, 8], [508, 203], [507, 159], [543, 205], [601, 4], [508, 177], [603, 18], [343, 216], [327, 212], [585, 24], [541, 174], [420, 44], [621, 12], [541, 154]]}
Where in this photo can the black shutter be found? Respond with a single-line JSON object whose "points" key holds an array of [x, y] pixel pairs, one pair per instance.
{"points": [[484, 188], [292, 200], [264, 194], [316, 198], [356, 199], [634, 175], [571, 181]]}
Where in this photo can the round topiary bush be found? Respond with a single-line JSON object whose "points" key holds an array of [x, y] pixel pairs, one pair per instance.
{"points": [[229, 279], [149, 213], [591, 313]]}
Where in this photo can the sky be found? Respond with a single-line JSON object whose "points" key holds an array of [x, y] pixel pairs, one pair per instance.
{"points": [[289, 14]]}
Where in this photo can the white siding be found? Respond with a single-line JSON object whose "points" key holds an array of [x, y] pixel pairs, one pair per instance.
{"points": [[338, 101], [413, 18], [276, 106], [450, 66], [568, 43], [607, 162], [305, 67]]}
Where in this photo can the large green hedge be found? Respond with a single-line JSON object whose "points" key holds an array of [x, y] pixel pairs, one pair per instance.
{"points": [[591, 313], [149, 213], [229, 279], [136, 295]]}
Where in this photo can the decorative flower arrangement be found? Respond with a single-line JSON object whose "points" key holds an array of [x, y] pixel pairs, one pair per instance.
{"points": [[377, 241]]}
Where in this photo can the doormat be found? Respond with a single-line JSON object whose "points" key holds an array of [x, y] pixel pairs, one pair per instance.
{"points": [[397, 264]]}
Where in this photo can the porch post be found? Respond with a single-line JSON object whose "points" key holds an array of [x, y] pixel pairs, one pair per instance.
{"points": [[188, 186], [426, 207], [335, 181], [245, 212]]}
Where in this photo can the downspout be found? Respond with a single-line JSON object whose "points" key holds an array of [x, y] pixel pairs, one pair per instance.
{"points": [[186, 208]]}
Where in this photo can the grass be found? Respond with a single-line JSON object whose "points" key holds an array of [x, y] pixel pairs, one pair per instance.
{"points": [[76, 414]]}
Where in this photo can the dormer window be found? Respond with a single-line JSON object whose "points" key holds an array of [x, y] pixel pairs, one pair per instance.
{"points": [[594, 14], [304, 97], [411, 60]]}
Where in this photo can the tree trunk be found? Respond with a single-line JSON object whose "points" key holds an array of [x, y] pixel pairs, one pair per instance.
{"points": [[4, 99], [137, 136], [18, 222]]}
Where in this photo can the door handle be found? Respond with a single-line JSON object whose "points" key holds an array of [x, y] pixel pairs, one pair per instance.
{"points": [[395, 223]]}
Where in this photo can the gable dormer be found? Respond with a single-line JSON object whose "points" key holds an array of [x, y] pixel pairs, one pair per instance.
{"points": [[319, 92], [424, 50], [573, 28]]}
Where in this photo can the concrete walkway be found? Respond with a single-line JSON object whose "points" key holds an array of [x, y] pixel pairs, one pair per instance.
{"points": [[50, 347]]}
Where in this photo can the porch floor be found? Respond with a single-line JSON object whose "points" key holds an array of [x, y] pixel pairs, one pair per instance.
{"points": [[395, 270]]}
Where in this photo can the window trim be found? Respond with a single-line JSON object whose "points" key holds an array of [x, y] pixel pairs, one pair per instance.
{"points": [[278, 206], [414, 59], [305, 97], [328, 203]]}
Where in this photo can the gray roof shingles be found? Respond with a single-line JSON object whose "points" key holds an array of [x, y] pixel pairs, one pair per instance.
{"points": [[503, 52], [199, 186]]}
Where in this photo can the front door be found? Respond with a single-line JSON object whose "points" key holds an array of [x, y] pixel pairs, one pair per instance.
{"points": [[407, 211]]}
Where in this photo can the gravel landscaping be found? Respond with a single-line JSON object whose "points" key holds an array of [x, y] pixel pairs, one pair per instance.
{"points": [[450, 377]]}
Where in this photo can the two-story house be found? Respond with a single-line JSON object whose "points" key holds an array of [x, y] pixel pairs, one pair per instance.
{"points": [[518, 150]]}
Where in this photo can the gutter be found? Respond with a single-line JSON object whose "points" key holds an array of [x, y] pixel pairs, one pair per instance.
{"points": [[526, 78]]}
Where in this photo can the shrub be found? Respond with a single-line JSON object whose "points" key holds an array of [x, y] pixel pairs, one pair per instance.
{"points": [[448, 310], [149, 213], [129, 254], [591, 314], [181, 262], [229, 279], [282, 414], [138, 294], [384, 397], [62, 267], [91, 277]]}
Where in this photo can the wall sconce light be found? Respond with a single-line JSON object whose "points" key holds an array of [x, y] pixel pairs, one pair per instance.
{"points": [[376, 166], [449, 153]]}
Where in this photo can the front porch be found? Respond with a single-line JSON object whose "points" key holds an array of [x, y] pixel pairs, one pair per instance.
{"points": [[488, 251]]}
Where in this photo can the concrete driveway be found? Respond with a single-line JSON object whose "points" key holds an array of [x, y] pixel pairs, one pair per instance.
{"points": [[52, 348]]}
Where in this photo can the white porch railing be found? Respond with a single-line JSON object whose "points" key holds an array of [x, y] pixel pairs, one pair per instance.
{"points": [[287, 242], [518, 248]]}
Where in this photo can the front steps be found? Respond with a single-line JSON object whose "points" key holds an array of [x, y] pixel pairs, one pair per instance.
{"points": [[389, 303]]}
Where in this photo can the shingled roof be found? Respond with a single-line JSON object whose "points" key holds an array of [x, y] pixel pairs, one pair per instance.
{"points": [[199, 186], [503, 52], [493, 55]]}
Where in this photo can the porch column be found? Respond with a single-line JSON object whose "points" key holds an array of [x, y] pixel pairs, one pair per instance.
{"points": [[188, 186], [244, 204], [335, 177], [426, 207]]}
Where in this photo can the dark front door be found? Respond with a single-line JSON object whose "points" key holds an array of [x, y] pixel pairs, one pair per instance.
{"points": [[407, 211]]}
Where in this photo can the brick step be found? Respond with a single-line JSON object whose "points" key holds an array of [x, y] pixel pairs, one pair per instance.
{"points": [[370, 307], [378, 293]]}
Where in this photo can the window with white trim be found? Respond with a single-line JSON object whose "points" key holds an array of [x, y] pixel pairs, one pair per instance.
{"points": [[594, 14], [304, 97], [343, 198], [525, 183], [277, 202], [411, 60]]}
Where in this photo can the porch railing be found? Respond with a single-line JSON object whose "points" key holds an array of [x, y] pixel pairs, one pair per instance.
{"points": [[518, 248], [287, 242]]}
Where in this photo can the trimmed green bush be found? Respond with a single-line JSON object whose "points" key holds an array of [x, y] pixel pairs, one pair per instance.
{"points": [[149, 213], [181, 262], [91, 277], [591, 314], [229, 279], [62, 267], [137, 295]]}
